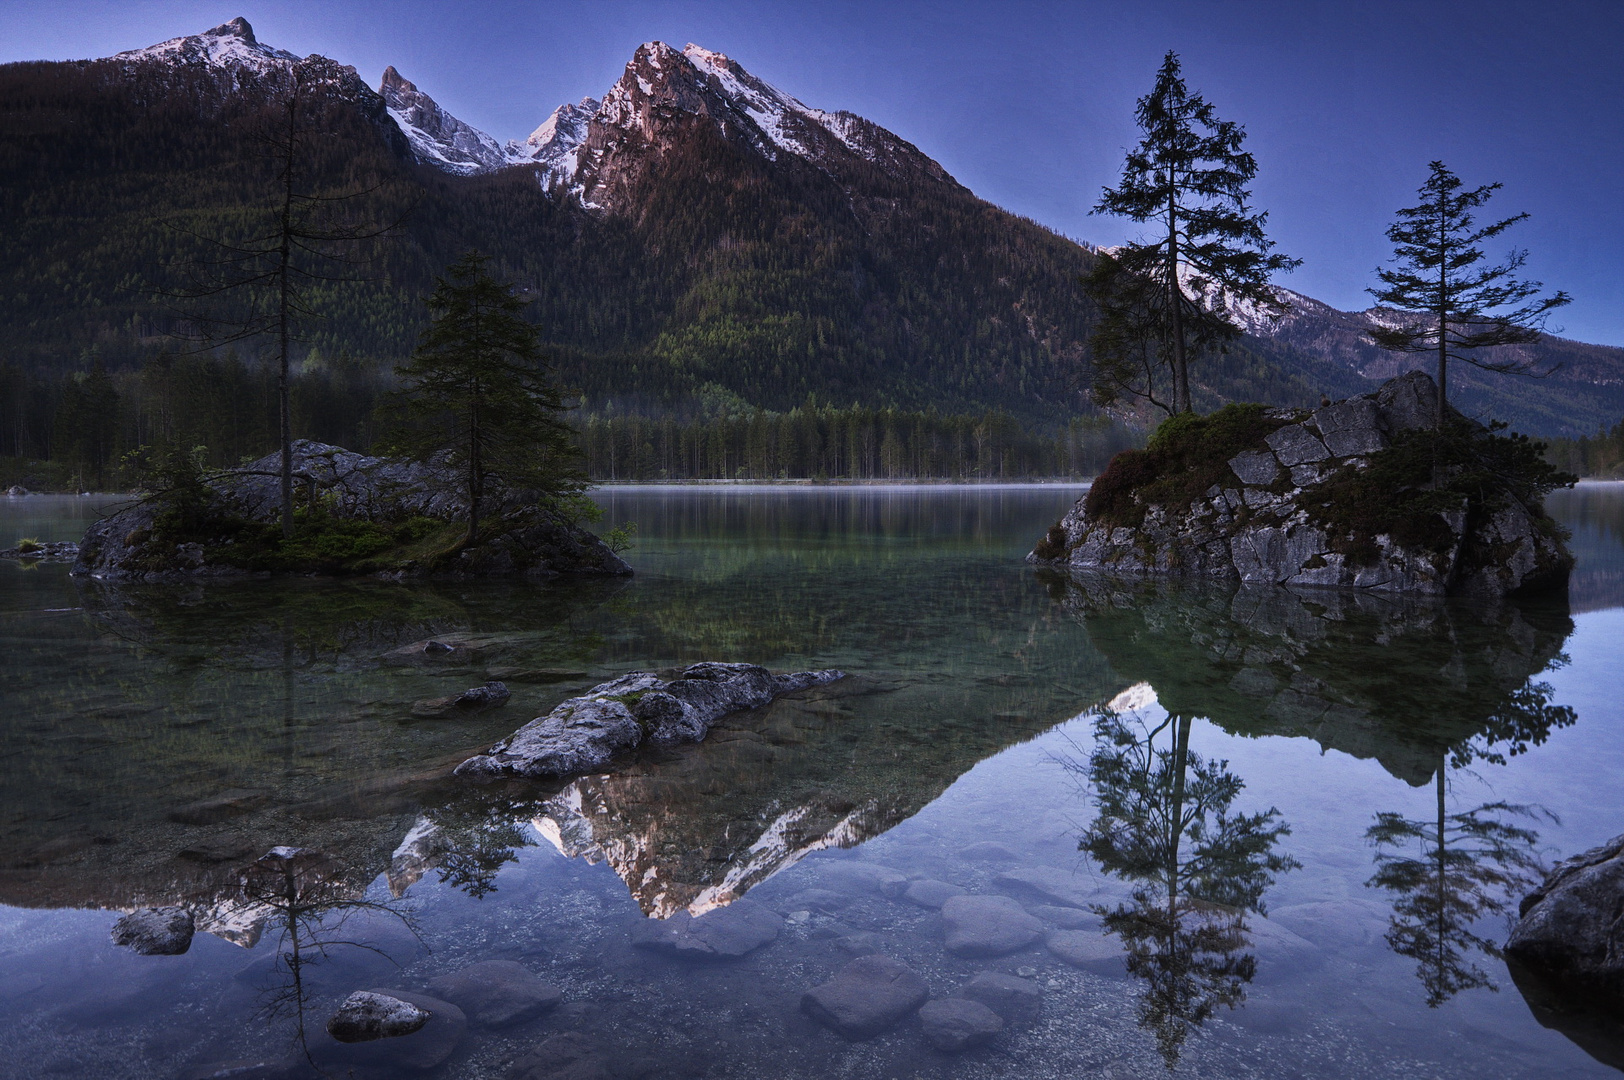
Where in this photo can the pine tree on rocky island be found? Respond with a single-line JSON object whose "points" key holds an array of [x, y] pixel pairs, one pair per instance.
{"points": [[477, 390], [1450, 304], [1168, 298]]}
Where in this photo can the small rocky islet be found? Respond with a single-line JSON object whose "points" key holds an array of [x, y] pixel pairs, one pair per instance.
{"points": [[1369, 493]]}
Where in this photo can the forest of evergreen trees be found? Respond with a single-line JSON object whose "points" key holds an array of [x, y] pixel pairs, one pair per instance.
{"points": [[1599, 456]]}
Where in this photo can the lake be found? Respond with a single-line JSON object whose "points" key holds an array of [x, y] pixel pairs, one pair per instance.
{"points": [[1210, 816]]}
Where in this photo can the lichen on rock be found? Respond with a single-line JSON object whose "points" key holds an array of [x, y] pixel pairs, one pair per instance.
{"points": [[1363, 493]]}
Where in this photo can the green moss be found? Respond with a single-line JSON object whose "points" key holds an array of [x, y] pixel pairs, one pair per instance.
{"points": [[1185, 457]]}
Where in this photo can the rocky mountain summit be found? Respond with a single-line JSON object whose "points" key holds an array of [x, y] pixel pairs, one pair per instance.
{"points": [[359, 515], [1357, 494]]}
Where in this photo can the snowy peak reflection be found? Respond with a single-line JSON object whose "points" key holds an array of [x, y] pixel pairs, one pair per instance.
{"points": [[1393, 678]]}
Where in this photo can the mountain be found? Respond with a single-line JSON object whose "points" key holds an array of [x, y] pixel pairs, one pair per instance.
{"points": [[694, 240]]}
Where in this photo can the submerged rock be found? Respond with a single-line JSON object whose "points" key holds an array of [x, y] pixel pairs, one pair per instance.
{"points": [[867, 997], [1570, 935], [226, 537], [490, 696], [421, 1049], [954, 1024], [723, 934], [164, 931], [1019, 1001], [1297, 504], [979, 926], [497, 993], [59, 551], [366, 1015], [582, 734]]}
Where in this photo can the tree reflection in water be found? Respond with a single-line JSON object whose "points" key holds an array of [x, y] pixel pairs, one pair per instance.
{"points": [[1164, 823], [1471, 864]]}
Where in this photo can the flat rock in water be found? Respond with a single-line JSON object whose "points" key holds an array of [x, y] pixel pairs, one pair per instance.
{"points": [[929, 893], [1066, 918], [217, 808], [987, 926], [954, 1024], [1019, 1001], [420, 1051], [366, 1015], [988, 851], [583, 733], [721, 934], [568, 1056], [868, 996], [1336, 924], [165, 931], [1088, 949], [1049, 884], [476, 699], [497, 993], [1568, 934]]}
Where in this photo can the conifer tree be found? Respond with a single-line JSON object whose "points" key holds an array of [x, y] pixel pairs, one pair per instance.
{"points": [[1207, 254], [1452, 305], [477, 390]]}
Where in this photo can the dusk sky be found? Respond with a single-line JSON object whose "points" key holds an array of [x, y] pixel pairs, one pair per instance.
{"points": [[1031, 105]]}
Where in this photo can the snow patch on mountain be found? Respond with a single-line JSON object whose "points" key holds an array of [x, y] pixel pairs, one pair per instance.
{"points": [[555, 145], [437, 137], [230, 44]]}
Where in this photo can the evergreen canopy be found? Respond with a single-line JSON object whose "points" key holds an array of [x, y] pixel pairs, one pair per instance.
{"points": [[1457, 306], [1171, 296], [478, 391]]}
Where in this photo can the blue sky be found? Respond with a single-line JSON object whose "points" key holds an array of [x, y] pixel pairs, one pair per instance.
{"points": [[1030, 104]]}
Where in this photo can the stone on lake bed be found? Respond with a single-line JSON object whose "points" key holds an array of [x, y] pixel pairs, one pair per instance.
{"points": [[165, 931], [867, 997], [1050, 884], [421, 1050], [988, 851], [721, 934], [1567, 936], [492, 695], [366, 1015], [1019, 1001], [1066, 918], [982, 926], [1089, 950], [929, 893], [954, 1024], [497, 993], [218, 808], [858, 876]]}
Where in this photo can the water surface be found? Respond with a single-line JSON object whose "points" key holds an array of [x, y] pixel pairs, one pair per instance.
{"points": [[1002, 730]]}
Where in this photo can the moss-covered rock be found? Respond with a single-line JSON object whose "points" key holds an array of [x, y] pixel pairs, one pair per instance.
{"points": [[1364, 493], [355, 515]]}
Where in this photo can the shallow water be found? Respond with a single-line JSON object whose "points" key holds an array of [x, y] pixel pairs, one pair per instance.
{"points": [[158, 740]]}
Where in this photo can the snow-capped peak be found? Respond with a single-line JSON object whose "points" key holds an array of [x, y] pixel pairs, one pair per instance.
{"points": [[773, 110], [229, 44], [556, 143], [437, 137]]}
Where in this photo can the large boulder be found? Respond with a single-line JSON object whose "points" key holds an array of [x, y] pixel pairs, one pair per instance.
{"points": [[164, 931], [982, 926], [1571, 936], [1287, 496], [721, 934], [497, 993], [582, 734], [141, 542]]}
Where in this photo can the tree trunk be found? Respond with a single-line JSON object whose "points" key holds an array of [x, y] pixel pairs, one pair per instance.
{"points": [[1181, 362], [1443, 310]]}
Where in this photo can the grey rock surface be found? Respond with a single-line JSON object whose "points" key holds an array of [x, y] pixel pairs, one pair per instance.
{"points": [[366, 1015], [954, 1024], [1019, 1001], [583, 733], [475, 699], [164, 931], [58, 551], [422, 1050], [984, 926], [497, 993], [929, 893], [1048, 883], [721, 934], [1571, 930], [867, 997], [1259, 529], [1088, 949]]}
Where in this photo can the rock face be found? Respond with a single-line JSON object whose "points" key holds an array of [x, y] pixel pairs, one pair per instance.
{"points": [[129, 545], [1571, 934], [868, 996], [1259, 522], [365, 1016], [723, 934], [165, 931], [582, 734], [1019, 1001]]}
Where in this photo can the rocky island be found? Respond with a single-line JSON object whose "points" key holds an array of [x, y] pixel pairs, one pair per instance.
{"points": [[1365, 493], [358, 515]]}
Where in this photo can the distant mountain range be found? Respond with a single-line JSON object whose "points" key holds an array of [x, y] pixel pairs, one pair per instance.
{"points": [[695, 239]]}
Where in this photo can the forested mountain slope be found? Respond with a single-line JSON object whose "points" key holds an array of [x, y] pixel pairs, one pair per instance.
{"points": [[695, 241]]}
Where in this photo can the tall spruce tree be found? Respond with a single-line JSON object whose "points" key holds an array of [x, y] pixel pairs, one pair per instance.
{"points": [[477, 389], [1207, 255], [1454, 305]]}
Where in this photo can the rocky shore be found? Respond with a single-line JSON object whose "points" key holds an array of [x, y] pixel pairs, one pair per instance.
{"points": [[1359, 494]]}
